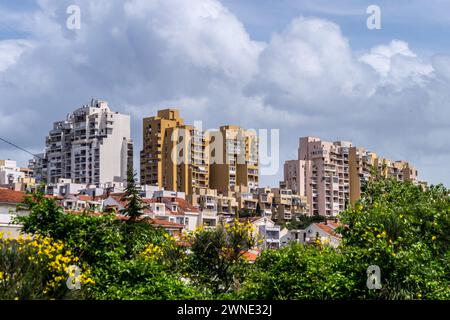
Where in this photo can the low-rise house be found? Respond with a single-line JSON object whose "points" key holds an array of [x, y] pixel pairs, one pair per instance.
{"points": [[295, 235], [64, 187], [266, 231], [176, 210], [172, 228], [82, 203], [325, 231], [251, 255], [9, 199]]}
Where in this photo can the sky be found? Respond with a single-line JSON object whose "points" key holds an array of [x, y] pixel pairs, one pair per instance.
{"points": [[308, 67]]}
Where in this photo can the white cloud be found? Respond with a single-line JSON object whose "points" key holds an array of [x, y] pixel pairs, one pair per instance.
{"points": [[397, 64], [144, 55], [11, 50]]}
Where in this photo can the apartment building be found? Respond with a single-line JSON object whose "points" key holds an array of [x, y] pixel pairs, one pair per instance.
{"points": [[14, 177], [185, 157], [92, 145], [181, 157], [38, 167], [364, 164], [227, 206], [174, 155], [287, 205], [265, 201], [330, 174], [9, 172], [234, 158]]}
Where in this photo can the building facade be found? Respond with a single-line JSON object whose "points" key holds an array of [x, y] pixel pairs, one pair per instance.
{"points": [[92, 145], [182, 157], [365, 164], [330, 174], [234, 159], [174, 155]]}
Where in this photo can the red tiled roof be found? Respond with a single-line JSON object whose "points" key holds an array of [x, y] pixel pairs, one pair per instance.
{"points": [[183, 205], [158, 222], [328, 228], [165, 223], [251, 255], [84, 197], [11, 196]]}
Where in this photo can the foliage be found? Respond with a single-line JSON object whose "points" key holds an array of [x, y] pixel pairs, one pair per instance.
{"points": [[303, 221], [38, 268], [405, 231], [138, 234], [143, 279], [133, 208], [216, 262], [45, 214], [298, 272], [397, 226], [246, 213]]}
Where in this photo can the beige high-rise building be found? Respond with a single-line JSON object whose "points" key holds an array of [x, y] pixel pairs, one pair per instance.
{"points": [[364, 165], [174, 155], [330, 174], [180, 157], [234, 158], [154, 137]]}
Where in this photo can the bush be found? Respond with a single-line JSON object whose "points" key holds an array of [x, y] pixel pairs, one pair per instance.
{"points": [[38, 268]]}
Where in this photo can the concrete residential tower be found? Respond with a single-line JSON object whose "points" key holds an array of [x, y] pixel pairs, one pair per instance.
{"points": [[234, 159], [92, 145], [174, 155], [181, 157], [330, 174]]}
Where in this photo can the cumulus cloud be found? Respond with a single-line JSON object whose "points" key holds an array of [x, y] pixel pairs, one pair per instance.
{"points": [[10, 52], [197, 56]]}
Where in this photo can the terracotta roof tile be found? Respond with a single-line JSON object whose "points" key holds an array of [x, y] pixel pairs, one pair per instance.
{"points": [[11, 196]]}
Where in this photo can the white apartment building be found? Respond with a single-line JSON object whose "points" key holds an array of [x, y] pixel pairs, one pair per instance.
{"points": [[92, 146], [10, 173]]}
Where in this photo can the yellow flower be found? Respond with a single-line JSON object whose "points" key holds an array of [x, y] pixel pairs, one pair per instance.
{"points": [[433, 238]]}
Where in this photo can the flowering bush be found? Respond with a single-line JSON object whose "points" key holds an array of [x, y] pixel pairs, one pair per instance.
{"points": [[39, 268]]}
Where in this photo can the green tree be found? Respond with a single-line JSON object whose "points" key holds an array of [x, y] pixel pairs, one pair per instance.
{"points": [[44, 214], [298, 272], [216, 262], [405, 231], [133, 208]]}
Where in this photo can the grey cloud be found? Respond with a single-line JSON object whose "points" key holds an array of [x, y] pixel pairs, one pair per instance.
{"points": [[196, 55]]}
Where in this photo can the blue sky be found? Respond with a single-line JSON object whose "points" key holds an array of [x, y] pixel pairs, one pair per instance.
{"points": [[424, 24], [308, 67]]}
